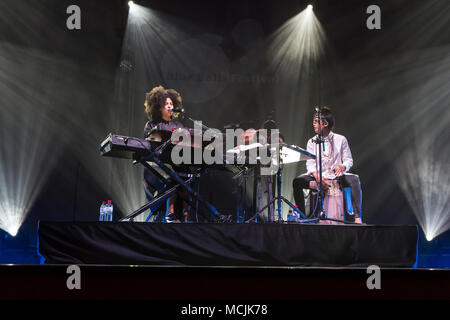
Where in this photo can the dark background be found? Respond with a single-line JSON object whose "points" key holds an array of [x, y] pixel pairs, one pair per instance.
{"points": [[368, 77]]}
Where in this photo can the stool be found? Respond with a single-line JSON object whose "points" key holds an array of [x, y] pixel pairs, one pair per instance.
{"points": [[333, 202]]}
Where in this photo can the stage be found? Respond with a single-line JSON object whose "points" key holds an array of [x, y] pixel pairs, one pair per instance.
{"points": [[227, 244], [230, 114], [215, 283], [178, 268]]}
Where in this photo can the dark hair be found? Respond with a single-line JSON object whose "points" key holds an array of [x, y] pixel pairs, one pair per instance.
{"points": [[269, 124], [327, 115], [155, 100]]}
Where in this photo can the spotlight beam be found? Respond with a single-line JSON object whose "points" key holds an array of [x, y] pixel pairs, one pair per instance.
{"points": [[294, 51]]}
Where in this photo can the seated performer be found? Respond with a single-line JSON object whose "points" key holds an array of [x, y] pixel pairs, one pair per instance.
{"points": [[336, 162], [159, 105]]}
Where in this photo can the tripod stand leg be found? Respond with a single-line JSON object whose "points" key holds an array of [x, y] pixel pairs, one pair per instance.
{"points": [[243, 197], [184, 185], [270, 197], [153, 202], [260, 199], [259, 213], [290, 204], [279, 181], [149, 216], [240, 205], [197, 184]]}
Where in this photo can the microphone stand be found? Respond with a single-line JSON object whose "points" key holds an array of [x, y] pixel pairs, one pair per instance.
{"points": [[320, 140], [183, 115]]}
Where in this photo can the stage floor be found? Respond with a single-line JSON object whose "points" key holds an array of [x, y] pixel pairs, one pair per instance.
{"points": [[228, 244], [207, 284], [173, 268]]}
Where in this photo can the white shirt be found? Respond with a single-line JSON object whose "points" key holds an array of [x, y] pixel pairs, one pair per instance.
{"points": [[337, 152]]}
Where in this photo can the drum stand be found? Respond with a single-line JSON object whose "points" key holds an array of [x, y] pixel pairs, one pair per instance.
{"points": [[280, 199]]}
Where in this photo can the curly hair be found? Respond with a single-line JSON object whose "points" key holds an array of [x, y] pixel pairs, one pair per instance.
{"points": [[155, 100]]}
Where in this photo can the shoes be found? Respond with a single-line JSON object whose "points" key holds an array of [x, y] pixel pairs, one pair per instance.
{"points": [[172, 218], [177, 218], [225, 219], [185, 217]]}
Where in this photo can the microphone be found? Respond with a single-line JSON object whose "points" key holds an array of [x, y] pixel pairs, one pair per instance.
{"points": [[321, 122], [177, 110]]}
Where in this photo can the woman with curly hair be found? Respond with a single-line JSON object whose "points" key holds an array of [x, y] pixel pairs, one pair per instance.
{"points": [[159, 105]]}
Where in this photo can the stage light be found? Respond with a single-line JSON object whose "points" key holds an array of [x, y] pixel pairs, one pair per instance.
{"points": [[146, 39], [130, 3], [294, 51], [297, 43], [41, 119], [11, 218], [422, 173], [423, 166], [309, 7], [30, 134]]}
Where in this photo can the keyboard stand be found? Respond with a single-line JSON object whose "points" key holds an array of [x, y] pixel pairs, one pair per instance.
{"points": [[153, 156]]}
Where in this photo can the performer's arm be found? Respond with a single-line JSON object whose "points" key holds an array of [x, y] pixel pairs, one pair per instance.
{"points": [[311, 163], [347, 159]]}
